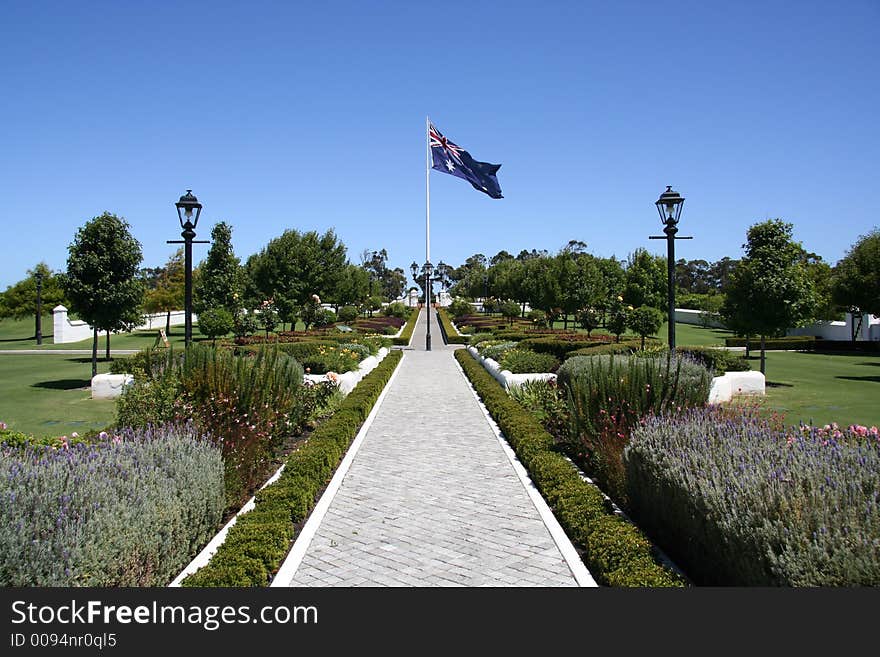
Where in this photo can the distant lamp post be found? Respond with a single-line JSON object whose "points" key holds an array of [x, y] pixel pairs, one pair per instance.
{"points": [[669, 206], [485, 291], [427, 270], [188, 211], [38, 326]]}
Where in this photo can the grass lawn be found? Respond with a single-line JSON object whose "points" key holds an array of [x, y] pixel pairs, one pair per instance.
{"points": [[822, 388], [685, 334], [48, 395]]}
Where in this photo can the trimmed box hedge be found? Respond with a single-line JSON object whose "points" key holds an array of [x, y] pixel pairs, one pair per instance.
{"points": [[450, 335], [406, 335], [796, 342], [259, 541], [614, 550]]}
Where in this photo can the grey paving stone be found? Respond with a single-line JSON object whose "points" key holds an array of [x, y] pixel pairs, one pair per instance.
{"points": [[431, 498]]}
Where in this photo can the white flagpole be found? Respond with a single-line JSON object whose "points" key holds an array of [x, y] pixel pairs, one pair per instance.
{"points": [[427, 189]]}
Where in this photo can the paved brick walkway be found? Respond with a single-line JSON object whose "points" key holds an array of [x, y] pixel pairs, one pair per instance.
{"points": [[431, 498]]}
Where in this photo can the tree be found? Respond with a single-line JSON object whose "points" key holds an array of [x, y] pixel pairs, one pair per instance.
{"points": [[645, 321], [618, 315], [769, 290], [169, 291], [353, 288], [646, 280], [219, 283], [216, 322], [856, 281], [580, 280], [20, 299], [101, 280], [295, 266]]}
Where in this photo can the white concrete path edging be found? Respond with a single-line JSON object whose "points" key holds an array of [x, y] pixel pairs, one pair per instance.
{"points": [[301, 544], [203, 557], [557, 533]]}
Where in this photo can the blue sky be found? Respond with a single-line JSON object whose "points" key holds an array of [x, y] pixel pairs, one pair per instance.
{"points": [[312, 116]]}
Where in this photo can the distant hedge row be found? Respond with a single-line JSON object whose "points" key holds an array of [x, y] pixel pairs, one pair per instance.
{"points": [[406, 335]]}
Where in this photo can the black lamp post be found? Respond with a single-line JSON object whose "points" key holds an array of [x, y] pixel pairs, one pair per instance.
{"points": [[485, 291], [427, 269], [38, 325], [188, 211], [669, 206]]}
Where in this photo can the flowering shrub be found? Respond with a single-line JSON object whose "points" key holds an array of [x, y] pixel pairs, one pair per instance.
{"points": [[607, 395], [338, 358], [738, 501], [126, 511], [495, 349]]}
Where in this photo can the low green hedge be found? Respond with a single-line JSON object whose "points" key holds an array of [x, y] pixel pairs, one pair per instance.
{"points": [[615, 348], [798, 342], [260, 540], [560, 346], [406, 335], [450, 335], [719, 361], [614, 550]]}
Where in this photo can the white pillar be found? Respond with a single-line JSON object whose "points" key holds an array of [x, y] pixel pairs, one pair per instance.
{"points": [[59, 323]]}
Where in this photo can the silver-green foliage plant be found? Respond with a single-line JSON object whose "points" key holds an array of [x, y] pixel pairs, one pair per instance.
{"points": [[737, 501], [127, 511]]}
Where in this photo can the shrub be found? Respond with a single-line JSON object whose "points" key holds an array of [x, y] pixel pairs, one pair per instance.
{"points": [[537, 317], [615, 552], [718, 361], [608, 395], [523, 361], [147, 402], [126, 513], [544, 401], [510, 310], [347, 314], [604, 348], [338, 358], [324, 317], [460, 307], [450, 334], [245, 323], [588, 319], [740, 502], [476, 338], [561, 344], [495, 349], [216, 322], [396, 309]]}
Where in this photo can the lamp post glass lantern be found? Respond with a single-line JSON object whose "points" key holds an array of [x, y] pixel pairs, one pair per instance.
{"points": [[188, 212], [427, 270], [669, 208]]}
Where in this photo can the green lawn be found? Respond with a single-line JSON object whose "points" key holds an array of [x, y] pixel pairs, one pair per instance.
{"points": [[685, 334], [49, 394], [822, 388]]}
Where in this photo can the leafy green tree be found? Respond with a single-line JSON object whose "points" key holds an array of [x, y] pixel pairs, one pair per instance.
{"points": [[219, 283], [215, 323], [588, 318], [295, 266], [646, 280], [580, 280], [353, 287], [769, 290], [510, 310], [20, 299], [101, 280], [541, 285], [856, 281], [618, 316], [645, 321], [169, 291]]}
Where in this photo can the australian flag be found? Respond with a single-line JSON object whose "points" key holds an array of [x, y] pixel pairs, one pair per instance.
{"points": [[452, 159]]}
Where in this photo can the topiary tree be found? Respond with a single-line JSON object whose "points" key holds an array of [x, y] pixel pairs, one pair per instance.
{"points": [[588, 318], [218, 284], [617, 317], [645, 321], [215, 323], [347, 314], [101, 280], [510, 310]]}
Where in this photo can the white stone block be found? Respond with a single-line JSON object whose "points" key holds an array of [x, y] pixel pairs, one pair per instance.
{"points": [[516, 380], [368, 364], [720, 390], [109, 386], [348, 381], [746, 383]]}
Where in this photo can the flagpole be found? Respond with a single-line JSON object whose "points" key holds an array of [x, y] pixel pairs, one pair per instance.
{"points": [[428, 229]]}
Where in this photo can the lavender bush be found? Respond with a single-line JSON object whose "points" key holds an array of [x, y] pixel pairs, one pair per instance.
{"points": [[131, 510], [737, 501]]}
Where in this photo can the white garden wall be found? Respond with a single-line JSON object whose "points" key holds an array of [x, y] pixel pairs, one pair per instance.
{"points": [[829, 330], [74, 330]]}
